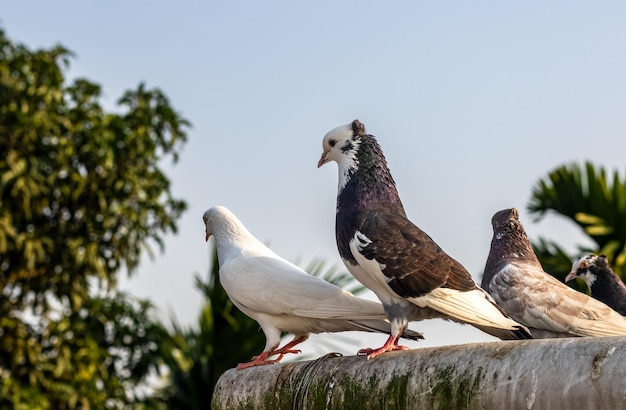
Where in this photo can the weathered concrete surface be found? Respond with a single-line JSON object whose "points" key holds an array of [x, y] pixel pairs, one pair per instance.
{"points": [[577, 373]]}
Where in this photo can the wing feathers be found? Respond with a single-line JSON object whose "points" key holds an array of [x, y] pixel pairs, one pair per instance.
{"points": [[277, 287], [538, 300], [413, 262], [474, 307]]}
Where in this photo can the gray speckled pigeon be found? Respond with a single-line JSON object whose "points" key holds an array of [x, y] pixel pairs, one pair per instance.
{"points": [[516, 280]]}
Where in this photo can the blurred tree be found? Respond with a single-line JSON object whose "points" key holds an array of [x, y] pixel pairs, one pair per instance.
{"points": [[196, 358], [592, 200], [81, 197]]}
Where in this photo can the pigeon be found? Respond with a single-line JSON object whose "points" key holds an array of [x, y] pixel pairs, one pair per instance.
{"points": [[280, 296], [409, 273], [514, 277], [602, 282]]}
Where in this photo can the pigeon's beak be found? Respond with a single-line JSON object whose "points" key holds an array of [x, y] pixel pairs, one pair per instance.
{"points": [[323, 159], [570, 276], [206, 239]]}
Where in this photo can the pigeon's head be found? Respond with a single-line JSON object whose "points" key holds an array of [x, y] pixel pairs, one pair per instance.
{"points": [[341, 144], [509, 244], [509, 236], [585, 268], [215, 218], [505, 220]]}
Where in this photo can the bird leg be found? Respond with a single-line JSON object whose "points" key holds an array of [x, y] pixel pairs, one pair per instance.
{"points": [[262, 358], [390, 345], [288, 347]]}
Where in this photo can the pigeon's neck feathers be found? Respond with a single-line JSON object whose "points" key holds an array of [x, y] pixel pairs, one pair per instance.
{"points": [[605, 277], [590, 278], [349, 162], [364, 177], [608, 287], [369, 187], [509, 244]]}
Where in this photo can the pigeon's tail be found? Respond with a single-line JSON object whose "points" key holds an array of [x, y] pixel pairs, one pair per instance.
{"points": [[381, 326], [521, 333], [475, 307]]}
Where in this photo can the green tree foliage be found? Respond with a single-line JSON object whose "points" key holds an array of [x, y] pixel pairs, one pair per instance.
{"points": [[85, 359], [593, 199], [81, 197], [224, 337]]}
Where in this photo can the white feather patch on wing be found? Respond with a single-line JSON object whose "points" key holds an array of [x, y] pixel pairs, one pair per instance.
{"points": [[370, 273], [361, 241]]}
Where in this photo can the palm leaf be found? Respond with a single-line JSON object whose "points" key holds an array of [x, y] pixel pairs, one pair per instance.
{"points": [[591, 200], [318, 267]]}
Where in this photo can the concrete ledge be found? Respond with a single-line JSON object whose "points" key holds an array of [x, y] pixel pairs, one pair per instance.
{"points": [[577, 373]]}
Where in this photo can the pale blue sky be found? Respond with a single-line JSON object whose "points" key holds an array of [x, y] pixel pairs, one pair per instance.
{"points": [[472, 102]]}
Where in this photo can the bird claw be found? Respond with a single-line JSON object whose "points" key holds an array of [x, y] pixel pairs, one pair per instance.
{"points": [[333, 354], [256, 363], [364, 352], [260, 360], [372, 353]]}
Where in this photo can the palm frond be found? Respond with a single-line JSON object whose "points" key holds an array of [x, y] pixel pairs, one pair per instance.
{"points": [[318, 267], [592, 200]]}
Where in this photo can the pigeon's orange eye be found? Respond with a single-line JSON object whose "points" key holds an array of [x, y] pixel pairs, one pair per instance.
{"points": [[332, 143]]}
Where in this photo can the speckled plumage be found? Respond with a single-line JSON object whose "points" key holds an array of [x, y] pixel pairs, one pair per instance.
{"points": [[516, 280]]}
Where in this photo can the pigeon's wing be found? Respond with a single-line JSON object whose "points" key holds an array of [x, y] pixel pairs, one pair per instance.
{"points": [[413, 263], [538, 300], [271, 285], [417, 269]]}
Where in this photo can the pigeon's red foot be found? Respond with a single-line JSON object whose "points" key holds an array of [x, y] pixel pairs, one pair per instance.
{"points": [[372, 353], [259, 360], [284, 350], [390, 345]]}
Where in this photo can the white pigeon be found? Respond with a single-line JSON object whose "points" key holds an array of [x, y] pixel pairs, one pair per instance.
{"points": [[280, 296]]}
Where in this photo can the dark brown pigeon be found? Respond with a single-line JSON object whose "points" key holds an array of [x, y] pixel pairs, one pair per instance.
{"points": [[411, 275]]}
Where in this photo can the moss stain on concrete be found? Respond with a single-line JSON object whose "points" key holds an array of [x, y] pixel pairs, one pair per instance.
{"points": [[454, 390]]}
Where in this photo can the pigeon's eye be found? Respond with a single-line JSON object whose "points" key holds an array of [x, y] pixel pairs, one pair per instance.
{"points": [[332, 143]]}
